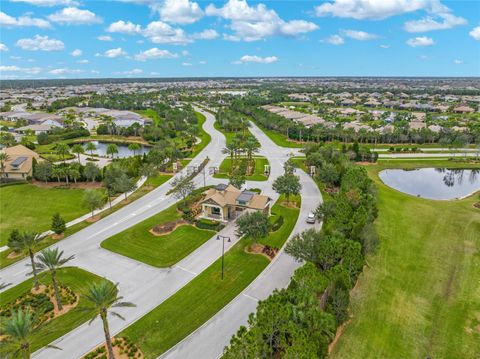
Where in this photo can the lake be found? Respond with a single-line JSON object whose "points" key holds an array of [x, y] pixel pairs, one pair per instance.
{"points": [[123, 150], [433, 183]]}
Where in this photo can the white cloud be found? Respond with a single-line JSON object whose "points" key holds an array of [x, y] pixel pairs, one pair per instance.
{"points": [[84, 61], [64, 71], [26, 70], [429, 23], [207, 34], [76, 53], [49, 2], [3, 47], [376, 9], [186, 64], [359, 35], [41, 43], [95, 71], [104, 38], [123, 27], [155, 53], [10, 21], [458, 62], [257, 59], [383, 46], [160, 32], [202, 62], [335, 40], [252, 23], [113, 53], [130, 72], [420, 41], [475, 33], [185, 53], [74, 16], [180, 11]]}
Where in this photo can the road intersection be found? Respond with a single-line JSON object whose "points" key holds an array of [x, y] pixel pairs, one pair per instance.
{"points": [[148, 286]]}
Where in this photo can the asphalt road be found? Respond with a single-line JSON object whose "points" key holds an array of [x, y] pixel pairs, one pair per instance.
{"points": [[148, 286]]}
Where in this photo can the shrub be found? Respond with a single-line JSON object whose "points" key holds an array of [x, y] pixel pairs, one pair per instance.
{"points": [[209, 224]]}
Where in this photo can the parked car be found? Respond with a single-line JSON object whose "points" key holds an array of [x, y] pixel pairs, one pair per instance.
{"points": [[311, 218]]}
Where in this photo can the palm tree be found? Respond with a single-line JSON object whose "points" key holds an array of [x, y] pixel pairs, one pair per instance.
{"points": [[27, 242], [62, 150], [112, 149], [4, 157], [134, 147], [252, 146], [52, 259], [91, 147], [230, 149], [102, 296], [57, 171], [78, 149]]}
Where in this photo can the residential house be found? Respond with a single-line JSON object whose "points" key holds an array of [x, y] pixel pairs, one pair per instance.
{"points": [[226, 202], [20, 162]]}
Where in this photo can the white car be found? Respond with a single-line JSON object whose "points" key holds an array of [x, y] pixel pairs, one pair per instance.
{"points": [[311, 218]]}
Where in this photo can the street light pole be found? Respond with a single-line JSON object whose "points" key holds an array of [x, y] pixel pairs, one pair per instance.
{"points": [[223, 250]]}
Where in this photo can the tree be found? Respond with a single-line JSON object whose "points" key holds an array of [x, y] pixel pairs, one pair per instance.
{"points": [[91, 171], [93, 200], [58, 224], [112, 149], [182, 186], [253, 224], [43, 171], [124, 184], [101, 297], [91, 147], [57, 171], [62, 150], [134, 147], [78, 149], [148, 170], [289, 167], [74, 173], [237, 179], [230, 150], [27, 242], [4, 157], [287, 185], [51, 259]]}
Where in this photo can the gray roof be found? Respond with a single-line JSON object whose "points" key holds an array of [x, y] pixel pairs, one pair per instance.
{"points": [[221, 187], [18, 161], [245, 196]]}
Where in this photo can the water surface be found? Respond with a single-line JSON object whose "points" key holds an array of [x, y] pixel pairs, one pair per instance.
{"points": [[433, 183], [123, 150]]}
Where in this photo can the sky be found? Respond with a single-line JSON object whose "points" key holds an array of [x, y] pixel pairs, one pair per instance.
{"points": [[187, 38]]}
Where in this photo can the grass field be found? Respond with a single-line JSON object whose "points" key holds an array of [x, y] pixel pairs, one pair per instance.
{"points": [[78, 280], [28, 207], [419, 295], [229, 136], [151, 114], [204, 296], [159, 251], [205, 138], [257, 175]]}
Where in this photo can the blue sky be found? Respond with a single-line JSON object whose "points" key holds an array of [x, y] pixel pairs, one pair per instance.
{"points": [[172, 38]]}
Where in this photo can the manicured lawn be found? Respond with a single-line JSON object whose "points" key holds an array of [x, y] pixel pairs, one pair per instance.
{"points": [[159, 251], [419, 294], [279, 138], [28, 207], [202, 298], [204, 136], [257, 175], [158, 180], [151, 114], [78, 280], [229, 136]]}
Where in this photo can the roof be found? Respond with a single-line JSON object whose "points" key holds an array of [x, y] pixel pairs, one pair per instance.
{"points": [[20, 159], [224, 195]]}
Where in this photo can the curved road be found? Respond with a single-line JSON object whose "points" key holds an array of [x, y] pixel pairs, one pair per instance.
{"points": [[148, 286]]}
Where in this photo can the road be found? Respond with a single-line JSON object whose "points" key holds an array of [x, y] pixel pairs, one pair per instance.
{"points": [[148, 286]]}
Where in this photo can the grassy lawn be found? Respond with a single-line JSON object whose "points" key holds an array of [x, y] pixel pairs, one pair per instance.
{"points": [[28, 207], [229, 136], [419, 295], [78, 280], [151, 114], [203, 297], [159, 251], [257, 175], [204, 136], [150, 184]]}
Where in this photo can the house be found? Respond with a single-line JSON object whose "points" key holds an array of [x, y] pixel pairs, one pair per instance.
{"points": [[225, 202], [36, 129], [463, 109], [20, 162]]}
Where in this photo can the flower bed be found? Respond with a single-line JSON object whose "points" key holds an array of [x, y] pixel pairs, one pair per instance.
{"points": [[122, 348]]}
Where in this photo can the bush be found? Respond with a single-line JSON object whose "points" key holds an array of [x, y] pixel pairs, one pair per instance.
{"points": [[209, 224]]}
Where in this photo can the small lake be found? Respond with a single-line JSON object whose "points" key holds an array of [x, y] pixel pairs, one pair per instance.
{"points": [[123, 150], [433, 183]]}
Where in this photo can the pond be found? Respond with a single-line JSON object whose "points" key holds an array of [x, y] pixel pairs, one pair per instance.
{"points": [[433, 183], [123, 150]]}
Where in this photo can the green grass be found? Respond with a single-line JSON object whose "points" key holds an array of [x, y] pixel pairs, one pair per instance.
{"points": [[419, 295], [78, 280], [158, 180], [205, 138], [28, 207], [202, 298], [151, 114], [159, 251], [257, 175], [229, 136]]}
